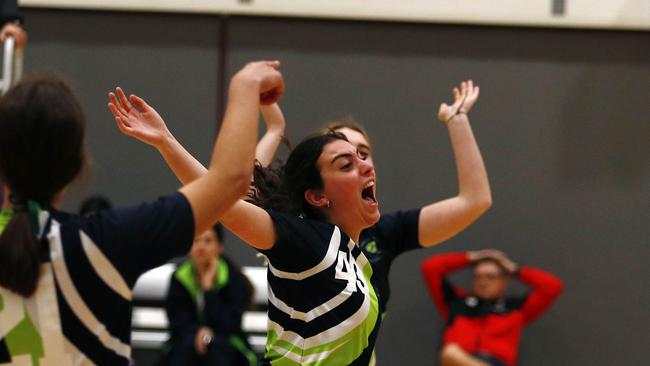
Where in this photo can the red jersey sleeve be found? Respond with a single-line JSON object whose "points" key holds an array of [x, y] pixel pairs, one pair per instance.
{"points": [[545, 289], [434, 269]]}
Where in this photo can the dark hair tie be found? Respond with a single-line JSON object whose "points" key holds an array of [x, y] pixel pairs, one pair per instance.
{"points": [[19, 204]]}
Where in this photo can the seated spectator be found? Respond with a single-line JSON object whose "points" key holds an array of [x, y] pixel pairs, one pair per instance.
{"points": [[207, 297], [483, 327]]}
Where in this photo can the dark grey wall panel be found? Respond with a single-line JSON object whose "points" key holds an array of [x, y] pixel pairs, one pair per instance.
{"points": [[171, 61], [562, 123]]}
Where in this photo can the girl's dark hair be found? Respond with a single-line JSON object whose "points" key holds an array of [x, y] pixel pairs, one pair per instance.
{"points": [[284, 189], [41, 151], [94, 204], [218, 232]]}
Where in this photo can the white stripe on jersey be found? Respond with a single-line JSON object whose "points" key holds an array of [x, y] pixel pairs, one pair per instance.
{"points": [[314, 357], [74, 300], [327, 261], [325, 336], [104, 268], [313, 313], [333, 333]]}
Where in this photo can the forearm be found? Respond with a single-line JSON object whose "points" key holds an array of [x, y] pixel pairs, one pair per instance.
{"points": [[225, 319], [540, 281], [232, 159], [238, 133], [546, 288], [268, 145], [180, 161], [444, 219], [224, 308], [442, 264], [275, 125], [473, 183], [434, 270]]}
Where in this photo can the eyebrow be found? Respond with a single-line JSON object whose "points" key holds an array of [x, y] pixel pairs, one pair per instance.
{"points": [[364, 146], [344, 155]]}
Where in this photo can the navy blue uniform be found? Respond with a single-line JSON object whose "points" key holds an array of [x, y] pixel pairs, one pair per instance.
{"points": [[81, 311], [394, 234]]}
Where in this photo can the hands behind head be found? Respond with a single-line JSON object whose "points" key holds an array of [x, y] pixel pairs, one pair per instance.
{"points": [[497, 255], [464, 100], [268, 78]]}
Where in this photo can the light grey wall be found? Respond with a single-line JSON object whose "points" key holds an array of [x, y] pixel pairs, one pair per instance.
{"points": [[562, 122]]}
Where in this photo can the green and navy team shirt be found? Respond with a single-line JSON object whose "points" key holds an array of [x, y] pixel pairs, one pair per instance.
{"points": [[395, 233], [81, 311], [323, 309]]}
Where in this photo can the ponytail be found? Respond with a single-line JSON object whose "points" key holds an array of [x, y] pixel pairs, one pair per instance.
{"points": [[19, 252], [41, 152]]}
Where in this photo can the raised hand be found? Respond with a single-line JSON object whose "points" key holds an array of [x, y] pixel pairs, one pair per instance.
{"points": [[507, 263], [267, 77], [510, 266], [464, 100], [135, 118]]}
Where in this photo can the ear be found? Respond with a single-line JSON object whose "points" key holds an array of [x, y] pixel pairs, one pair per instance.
{"points": [[316, 197]]}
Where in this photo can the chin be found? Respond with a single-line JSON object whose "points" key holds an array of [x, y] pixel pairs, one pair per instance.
{"points": [[373, 219]]}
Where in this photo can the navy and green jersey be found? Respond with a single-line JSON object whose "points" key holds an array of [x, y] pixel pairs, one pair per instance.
{"points": [[81, 311], [394, 234], [323, 309]]}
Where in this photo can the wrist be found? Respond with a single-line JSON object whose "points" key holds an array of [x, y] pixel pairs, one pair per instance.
{"points": [[472, 257], [243, 82], [206, 339], [166, 144], [277, 131], [455, 117]]}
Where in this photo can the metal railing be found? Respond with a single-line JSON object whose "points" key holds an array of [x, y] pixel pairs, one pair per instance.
{"points": [[12, 65]]}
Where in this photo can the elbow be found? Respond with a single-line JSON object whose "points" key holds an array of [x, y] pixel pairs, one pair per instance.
{"points": [[476, 206], [557, 288], [428, 266], [484, 203]]}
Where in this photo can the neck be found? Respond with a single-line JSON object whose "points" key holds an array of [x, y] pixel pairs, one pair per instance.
{"points": [[352, 232], [202, 267]]}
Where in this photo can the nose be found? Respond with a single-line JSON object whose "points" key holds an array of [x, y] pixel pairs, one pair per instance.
{"points": [[366, 168]]}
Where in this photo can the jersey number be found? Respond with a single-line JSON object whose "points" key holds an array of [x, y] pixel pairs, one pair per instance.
{"points": [[348, 270]]}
